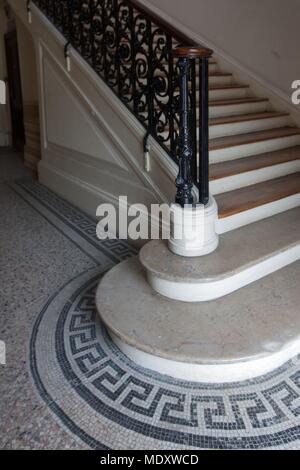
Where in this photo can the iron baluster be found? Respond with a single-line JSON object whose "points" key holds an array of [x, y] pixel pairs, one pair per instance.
{"points": [[184, 181], [203, 185], [150, 84]]}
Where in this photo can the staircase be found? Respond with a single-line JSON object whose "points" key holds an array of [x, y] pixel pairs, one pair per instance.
{"points": [[189, 318], [254, 149], [254, 153], [254, 159]]}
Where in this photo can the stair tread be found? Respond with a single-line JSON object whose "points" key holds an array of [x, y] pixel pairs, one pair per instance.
{"points": [[220, 74], [245, 118], [233, 101], [232, 86], [243, 165], [240, 200], [230, 256], [237, 101], [192, 332], [253, 137]]}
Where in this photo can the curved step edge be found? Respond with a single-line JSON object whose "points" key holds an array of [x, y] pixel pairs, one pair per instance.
{"points": [[128, 308], [204, 290], [208, 373]]}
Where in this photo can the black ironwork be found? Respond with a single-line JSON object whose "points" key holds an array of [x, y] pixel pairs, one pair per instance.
{"points": [[184, 181], [203, 181], [133, 51]]}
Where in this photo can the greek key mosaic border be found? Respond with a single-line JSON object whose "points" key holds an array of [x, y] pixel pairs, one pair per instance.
{"points": [[255, 414], [84, 379], [81, 223]]}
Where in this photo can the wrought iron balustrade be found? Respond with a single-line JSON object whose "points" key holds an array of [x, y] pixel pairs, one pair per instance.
{"points": [[165, 85]]}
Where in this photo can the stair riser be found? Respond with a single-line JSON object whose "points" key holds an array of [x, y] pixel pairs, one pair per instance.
{"points": [[213, 68], [215, 289], [219, 94], [219, 81], [224, 130], [243, 180], [256, 148], [231, 93], [259, 213], [237, 109], [237, 128], [212, 373]]}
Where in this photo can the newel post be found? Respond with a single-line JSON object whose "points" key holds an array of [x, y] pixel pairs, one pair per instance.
{"points": [[193, 154], [184, 182], [193, 221]]}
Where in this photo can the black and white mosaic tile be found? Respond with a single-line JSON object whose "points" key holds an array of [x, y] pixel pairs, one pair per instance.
{"points": [[107, 401], [85, 378]]}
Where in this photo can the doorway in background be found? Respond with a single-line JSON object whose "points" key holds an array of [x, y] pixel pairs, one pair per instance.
{"points": [[15, 90]]}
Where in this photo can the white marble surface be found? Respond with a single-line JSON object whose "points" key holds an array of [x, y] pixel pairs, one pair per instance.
{"points": [[237, 250], [255, 322]]}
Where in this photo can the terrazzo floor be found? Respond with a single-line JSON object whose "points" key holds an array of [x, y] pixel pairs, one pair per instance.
{"points": [[35, 259], [65, 385]]}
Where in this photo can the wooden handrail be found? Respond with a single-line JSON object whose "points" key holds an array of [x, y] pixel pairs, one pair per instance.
{"points": [[192, 52], [167, 28]]}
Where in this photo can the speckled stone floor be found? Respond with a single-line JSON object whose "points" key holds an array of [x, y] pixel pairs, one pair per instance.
{"points": [[66, 386], [35, 259]]}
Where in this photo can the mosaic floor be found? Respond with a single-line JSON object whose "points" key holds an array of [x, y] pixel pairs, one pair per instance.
{"points": [[78, 391]]}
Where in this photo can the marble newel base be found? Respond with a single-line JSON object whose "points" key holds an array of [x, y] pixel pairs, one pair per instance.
{"points": [[194, 229]]}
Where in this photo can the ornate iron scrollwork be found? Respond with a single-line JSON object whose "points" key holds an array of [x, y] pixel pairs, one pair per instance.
{"points": [[135, 56]]}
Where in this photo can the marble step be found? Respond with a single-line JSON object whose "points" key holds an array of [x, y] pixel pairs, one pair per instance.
{"points": [[225, 108], [220, 78], [253, 143], [245, 124], [239, 337], [213, 66], [236, 107], [216, 93], [227, 92], [232, 91], [270, 245], [236, 174], [255, 122], [259, 201]]}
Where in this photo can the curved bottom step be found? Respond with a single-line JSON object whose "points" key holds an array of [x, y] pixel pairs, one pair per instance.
{"points": [[242, 336], [242, 257]]}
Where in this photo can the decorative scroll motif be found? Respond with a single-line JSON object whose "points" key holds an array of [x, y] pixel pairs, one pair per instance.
{"points": [[136, 59], [130, 53], [184, 181]]}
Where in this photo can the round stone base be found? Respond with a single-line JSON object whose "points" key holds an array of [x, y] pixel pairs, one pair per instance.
{"points": [[193, 231], [242, 336]]}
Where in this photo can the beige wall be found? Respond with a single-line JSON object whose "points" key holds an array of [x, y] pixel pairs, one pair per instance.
{"points": [[262, 35]]}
